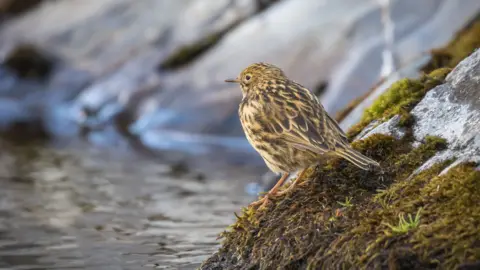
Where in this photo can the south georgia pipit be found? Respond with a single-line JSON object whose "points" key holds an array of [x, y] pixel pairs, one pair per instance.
{"points": [[288, 126]]}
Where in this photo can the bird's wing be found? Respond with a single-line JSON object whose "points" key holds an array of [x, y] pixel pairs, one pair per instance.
{"points": [[296, 116]]}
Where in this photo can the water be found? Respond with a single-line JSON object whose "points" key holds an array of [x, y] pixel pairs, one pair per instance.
{"points": [[80, 208]]}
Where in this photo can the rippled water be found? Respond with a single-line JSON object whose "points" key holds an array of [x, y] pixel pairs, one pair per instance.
{"points": [[86, 209]]}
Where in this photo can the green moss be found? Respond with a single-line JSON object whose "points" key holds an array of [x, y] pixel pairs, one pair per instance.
{"points": [[404, 224]]}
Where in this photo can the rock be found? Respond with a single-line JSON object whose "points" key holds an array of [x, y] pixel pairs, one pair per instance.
{"points": [[11, 111], [391, 128], [40, 86], [452, 111], [343, 217], [115, 47], [201, 26]]}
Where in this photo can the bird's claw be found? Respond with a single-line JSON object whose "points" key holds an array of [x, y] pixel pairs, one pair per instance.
{"points": [[263, 202]]}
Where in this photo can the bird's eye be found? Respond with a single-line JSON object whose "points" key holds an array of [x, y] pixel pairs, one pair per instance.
{"points": [[248, 77]]}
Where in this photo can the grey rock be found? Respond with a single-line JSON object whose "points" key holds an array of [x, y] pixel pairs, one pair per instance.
{"points": [[100, 35], [389, 127], [199, 20], [452, 111], [370, 127]]}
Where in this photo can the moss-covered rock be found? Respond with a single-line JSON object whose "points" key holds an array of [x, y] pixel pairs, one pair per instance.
{"points": [[341, 217], [309, 226], [399, 99], [441, 63]]}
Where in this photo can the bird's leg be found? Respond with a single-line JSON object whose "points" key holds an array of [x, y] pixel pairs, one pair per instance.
{"points": [[273, 191], [295, 182]]}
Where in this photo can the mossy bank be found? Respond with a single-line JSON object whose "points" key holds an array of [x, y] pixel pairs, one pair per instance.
{"points": [[341, 217]]}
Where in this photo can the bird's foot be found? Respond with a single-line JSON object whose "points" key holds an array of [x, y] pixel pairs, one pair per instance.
{"points": [[294, 184], [263, 202], [288, 189]]}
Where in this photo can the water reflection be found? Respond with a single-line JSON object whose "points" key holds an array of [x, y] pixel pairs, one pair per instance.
{"points": [[85, 209]]}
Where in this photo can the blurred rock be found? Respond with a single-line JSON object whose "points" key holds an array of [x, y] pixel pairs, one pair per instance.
{"points": [[10, 8], [347, 53], [447, 56], [37, 87], [409, 71], [113, 47], [418, 27], [201, 26]]}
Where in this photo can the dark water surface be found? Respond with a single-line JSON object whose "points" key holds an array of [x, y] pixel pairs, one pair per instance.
{"points": [[80, 208]]}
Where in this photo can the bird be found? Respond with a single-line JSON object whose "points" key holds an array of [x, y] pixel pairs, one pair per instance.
{"points": [[288, 126]]}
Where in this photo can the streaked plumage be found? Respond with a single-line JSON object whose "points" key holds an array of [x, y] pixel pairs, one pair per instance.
{"points": [[288, 125]]}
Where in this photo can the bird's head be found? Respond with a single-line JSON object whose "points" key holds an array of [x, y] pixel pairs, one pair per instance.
{"points": [[257, 74]]}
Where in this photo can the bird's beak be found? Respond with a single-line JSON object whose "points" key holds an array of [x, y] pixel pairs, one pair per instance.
{"points": [[232, 80]]}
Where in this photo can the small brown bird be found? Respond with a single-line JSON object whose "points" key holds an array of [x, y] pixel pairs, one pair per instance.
{"points": [[288, 125]]}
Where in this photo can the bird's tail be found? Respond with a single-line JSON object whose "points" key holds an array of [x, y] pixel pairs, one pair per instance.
{"points": [[357, 158]]}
